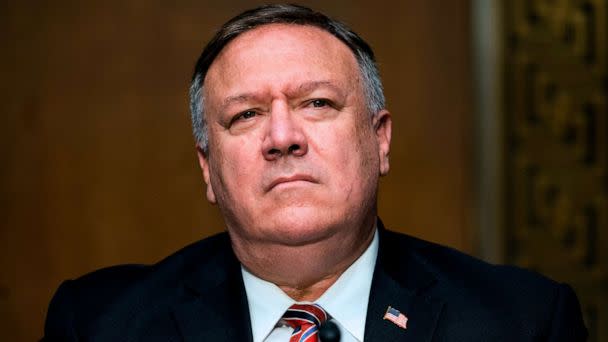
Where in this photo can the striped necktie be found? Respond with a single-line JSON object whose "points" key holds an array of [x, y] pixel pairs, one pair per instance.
{"points": [[305, 319]]}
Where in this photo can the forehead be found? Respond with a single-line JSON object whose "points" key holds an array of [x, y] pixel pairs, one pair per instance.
{"points": [[279, 53]]}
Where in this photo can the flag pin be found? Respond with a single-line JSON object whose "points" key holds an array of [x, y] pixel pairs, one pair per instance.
{"points": [[396, 317]]}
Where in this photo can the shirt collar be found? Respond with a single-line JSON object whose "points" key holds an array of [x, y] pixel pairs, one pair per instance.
{"points": [[267, 304], [346, 300]]}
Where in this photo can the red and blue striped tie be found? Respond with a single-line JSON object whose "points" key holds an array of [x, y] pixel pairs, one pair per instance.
{"points": [[305, 319]]}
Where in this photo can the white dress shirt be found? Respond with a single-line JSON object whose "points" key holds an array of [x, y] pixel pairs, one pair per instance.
{"points": [[345, 301]]}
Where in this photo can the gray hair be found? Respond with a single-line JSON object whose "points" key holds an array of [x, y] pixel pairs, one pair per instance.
{"points": [[284, 14]]}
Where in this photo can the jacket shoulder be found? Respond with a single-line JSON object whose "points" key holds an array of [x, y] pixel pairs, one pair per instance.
{"points": [[77, 303], [458, 268], [484, 296], [110, 281]]}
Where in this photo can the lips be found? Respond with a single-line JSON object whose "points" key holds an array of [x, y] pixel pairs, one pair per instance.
{"points": [[291, 179]]}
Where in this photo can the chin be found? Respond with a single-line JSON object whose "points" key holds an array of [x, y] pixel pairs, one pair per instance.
{"points": [[298, 227]]}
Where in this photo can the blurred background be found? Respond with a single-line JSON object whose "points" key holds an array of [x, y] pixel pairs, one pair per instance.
{"points": [[499, 140]]}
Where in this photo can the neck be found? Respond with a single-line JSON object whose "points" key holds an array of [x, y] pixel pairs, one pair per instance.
{"points": [[311, 292], [305, 272]]}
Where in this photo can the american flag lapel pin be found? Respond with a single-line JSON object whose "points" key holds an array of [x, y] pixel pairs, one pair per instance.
{"points": [[396, 317]]}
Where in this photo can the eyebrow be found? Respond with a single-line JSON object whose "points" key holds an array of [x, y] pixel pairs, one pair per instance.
{"points": [[240, 98]]}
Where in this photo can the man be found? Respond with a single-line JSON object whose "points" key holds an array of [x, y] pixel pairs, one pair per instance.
{"points": [[292, 137]]}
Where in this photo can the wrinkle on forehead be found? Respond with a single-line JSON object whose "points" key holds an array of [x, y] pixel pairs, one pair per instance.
{"points": [[282, 42], [294, 92]]}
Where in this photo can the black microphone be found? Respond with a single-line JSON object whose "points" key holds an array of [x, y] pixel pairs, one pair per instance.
{"points": [[329, 332]]}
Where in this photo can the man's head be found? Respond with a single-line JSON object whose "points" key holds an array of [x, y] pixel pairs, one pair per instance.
{"points": [[285, 14], [296, 138]]}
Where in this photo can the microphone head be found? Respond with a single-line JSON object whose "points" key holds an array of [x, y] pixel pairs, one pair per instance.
{"points": [[329, 332]]}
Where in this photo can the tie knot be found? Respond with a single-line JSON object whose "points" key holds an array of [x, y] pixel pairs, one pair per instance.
{"points": [[305, 315]]}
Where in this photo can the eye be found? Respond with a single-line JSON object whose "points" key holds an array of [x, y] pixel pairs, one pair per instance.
{"points": [[319, 103], [248, 114]]}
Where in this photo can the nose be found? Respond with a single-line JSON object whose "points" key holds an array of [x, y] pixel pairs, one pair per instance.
{"points": [[284, 136]]}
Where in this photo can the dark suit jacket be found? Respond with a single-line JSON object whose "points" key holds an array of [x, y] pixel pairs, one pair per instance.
{"points": [[197, 294]]}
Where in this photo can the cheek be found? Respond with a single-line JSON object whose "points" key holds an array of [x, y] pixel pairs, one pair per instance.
{"points": [[349, 153], [331, 145], [233, 169]]}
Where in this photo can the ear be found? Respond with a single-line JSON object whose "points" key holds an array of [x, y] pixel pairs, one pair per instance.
{"points": [[203, 161], [382, 127]]}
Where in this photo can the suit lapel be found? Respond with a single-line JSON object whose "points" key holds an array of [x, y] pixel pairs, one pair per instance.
{"points": [[216, 308], [421, 311], [401, 281]]}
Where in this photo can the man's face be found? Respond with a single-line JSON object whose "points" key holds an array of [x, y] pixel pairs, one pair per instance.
{"points": [[294, 155]]}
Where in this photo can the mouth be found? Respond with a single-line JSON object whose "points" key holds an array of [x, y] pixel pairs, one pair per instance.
{"points": [[298, 178]]}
